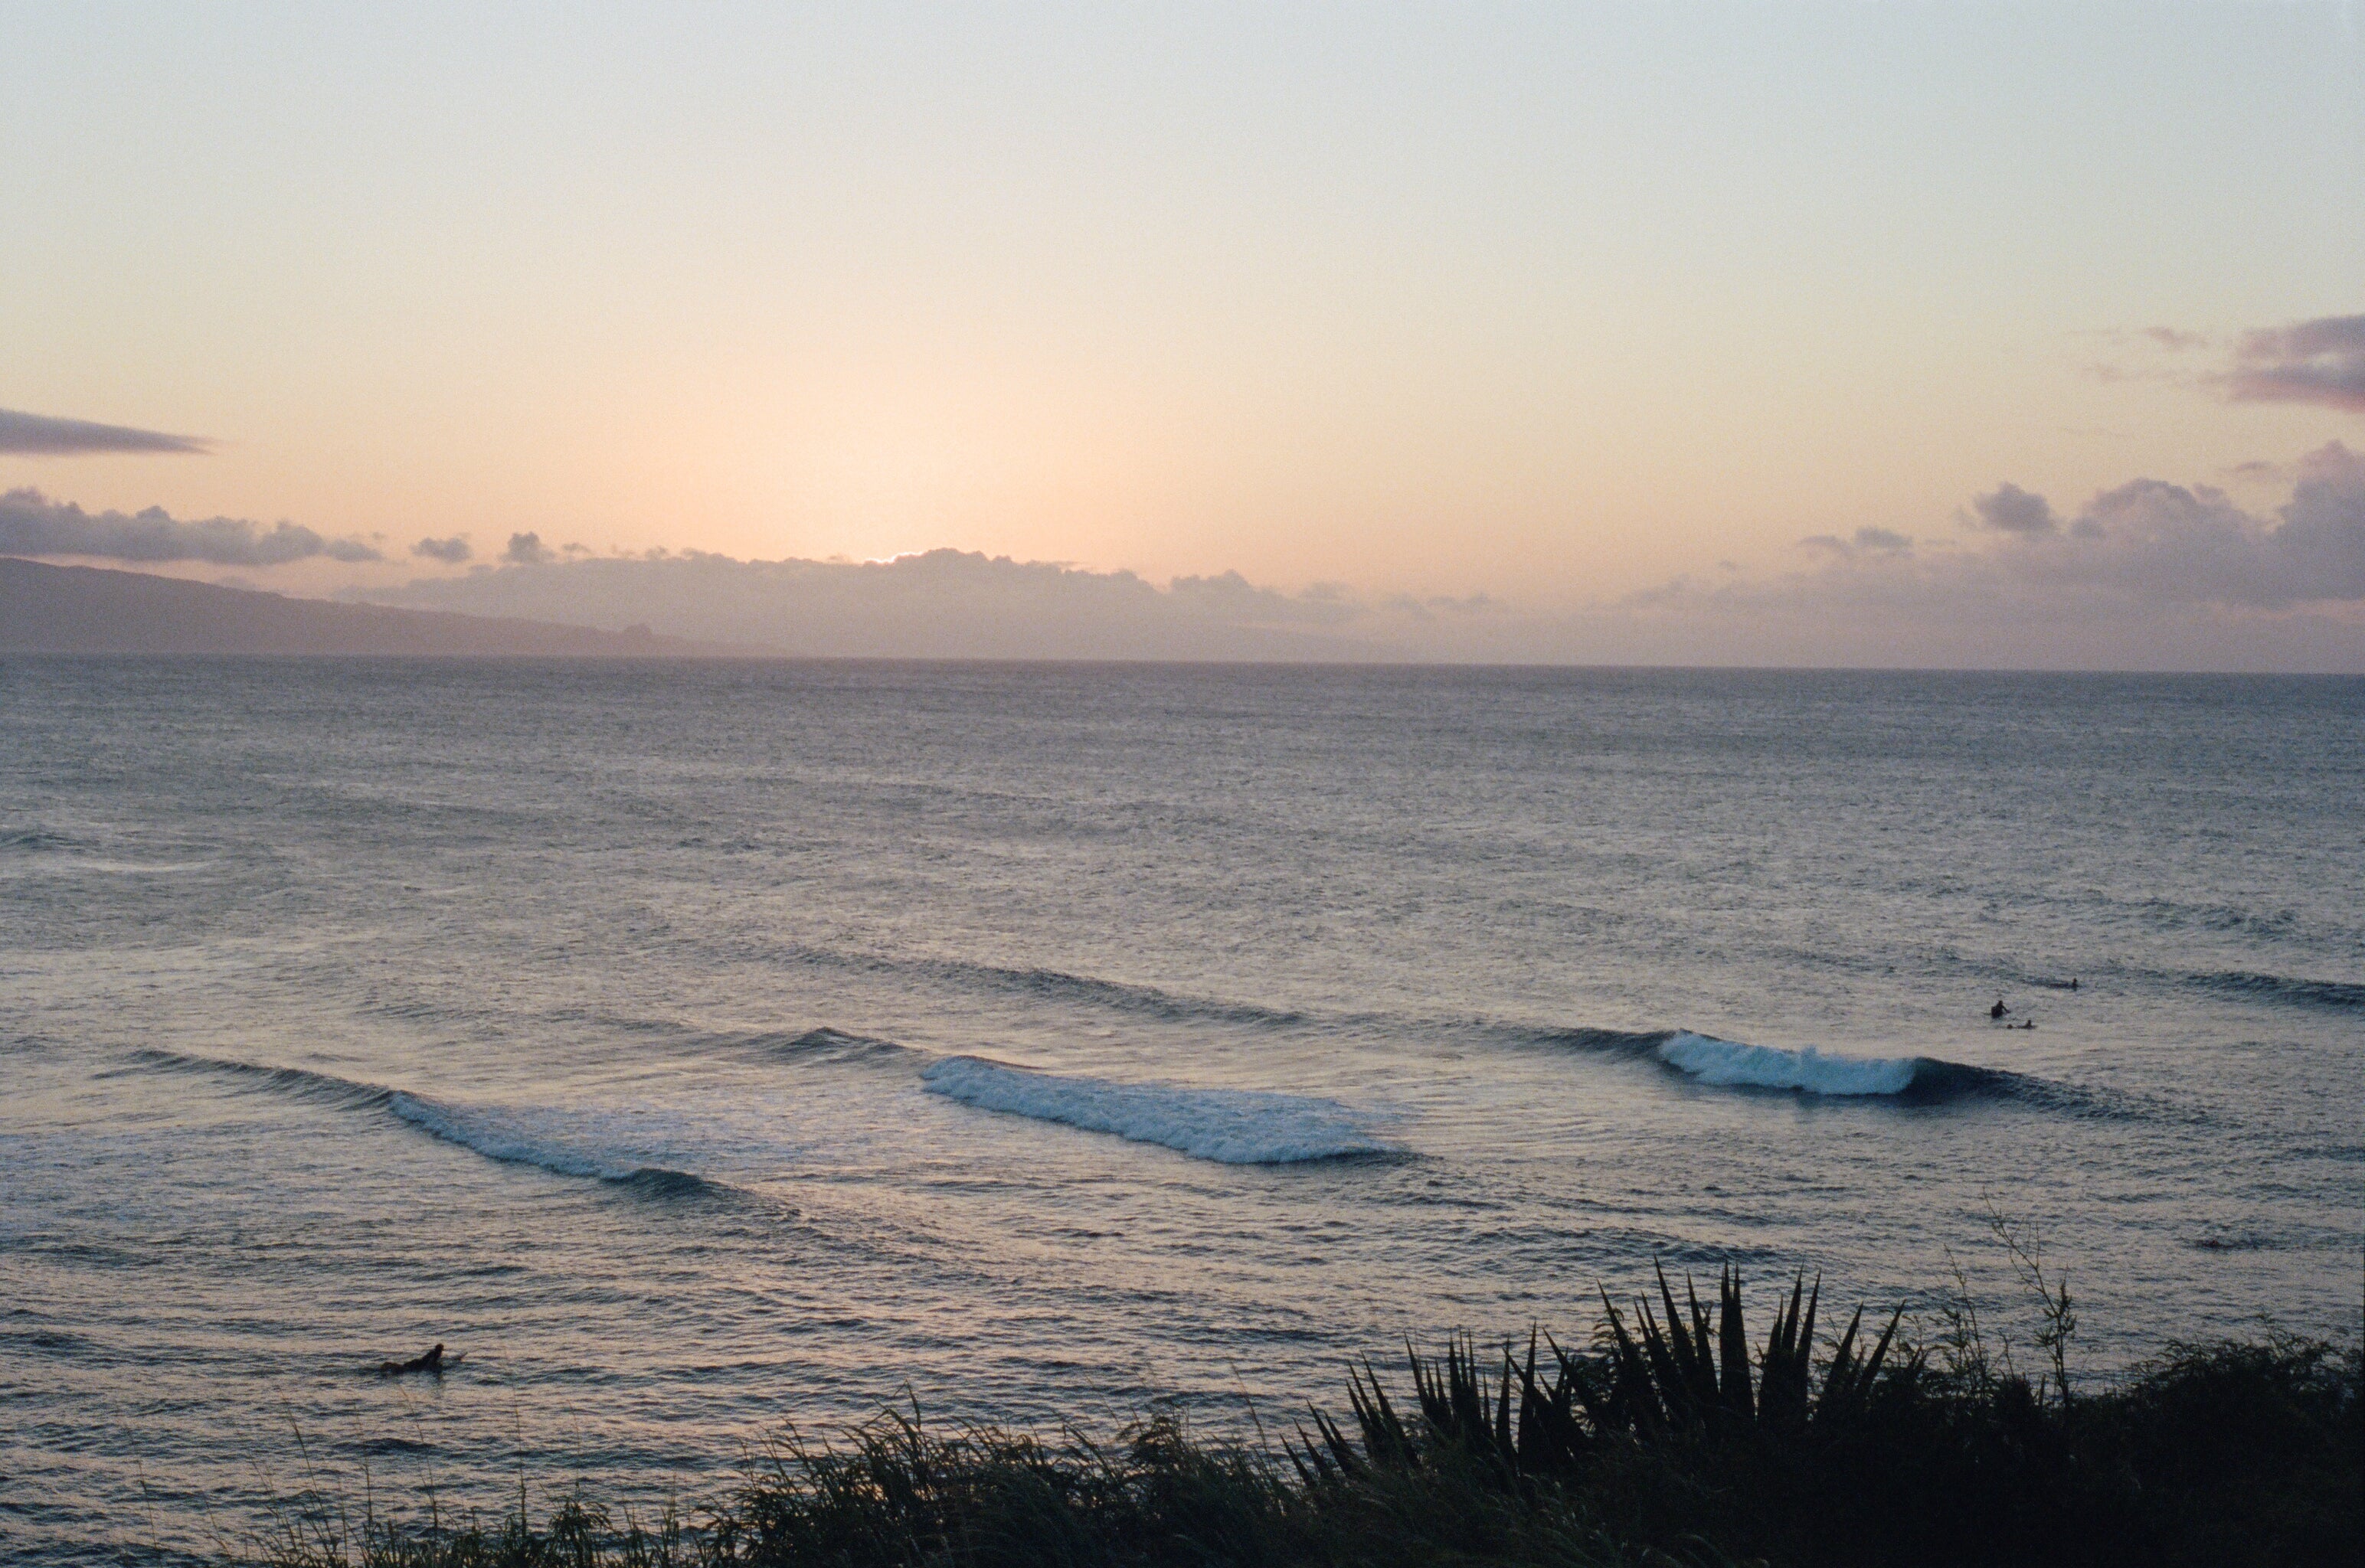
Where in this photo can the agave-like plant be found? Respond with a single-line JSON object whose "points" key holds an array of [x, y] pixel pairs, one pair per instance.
{"points": [[1655, 1381], [1681, 1376]]}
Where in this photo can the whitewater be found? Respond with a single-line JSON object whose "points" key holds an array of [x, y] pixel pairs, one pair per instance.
{"points": [[702, 1047]]}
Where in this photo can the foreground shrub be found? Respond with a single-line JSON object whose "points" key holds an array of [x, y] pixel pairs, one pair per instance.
{"points": [[1670, 1439]]}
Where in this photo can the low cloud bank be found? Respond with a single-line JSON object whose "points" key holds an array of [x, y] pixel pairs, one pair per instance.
{"points": [[2169, 545], [943, 604], [2147, 574], [32, 524], [39, 436], [2146, 543]]}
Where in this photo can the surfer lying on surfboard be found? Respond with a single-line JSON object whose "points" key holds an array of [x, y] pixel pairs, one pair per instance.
{"points": [[435, 1360]]}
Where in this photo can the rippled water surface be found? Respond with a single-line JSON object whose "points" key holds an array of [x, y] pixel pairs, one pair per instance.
{"points": [[700, 1048]]}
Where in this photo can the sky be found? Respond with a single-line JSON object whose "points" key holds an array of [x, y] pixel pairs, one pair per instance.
{"points": [[1680, 332]]}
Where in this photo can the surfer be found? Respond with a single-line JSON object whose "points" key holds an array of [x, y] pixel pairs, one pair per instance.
{"points": [[432, 1361], [1997, 1011]]}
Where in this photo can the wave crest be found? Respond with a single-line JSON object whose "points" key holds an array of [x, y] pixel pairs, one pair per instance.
{"points": [[518, 1137], [1231, 1126], [509, 1136]]}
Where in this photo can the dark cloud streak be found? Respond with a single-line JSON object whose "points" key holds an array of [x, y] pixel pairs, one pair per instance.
{"points": [[39, 436]]}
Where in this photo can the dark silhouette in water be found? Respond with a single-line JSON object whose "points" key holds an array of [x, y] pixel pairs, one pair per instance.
{"points": [[432, 1361], [1999, 1010]]}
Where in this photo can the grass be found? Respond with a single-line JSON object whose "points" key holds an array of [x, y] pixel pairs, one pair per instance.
{"points": [[1673, 1437]]}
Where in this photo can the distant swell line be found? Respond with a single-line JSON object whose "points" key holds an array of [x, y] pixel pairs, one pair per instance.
{"points": [[1118, 996], [2287, 990], [490, 1133], [1231, 1126]]}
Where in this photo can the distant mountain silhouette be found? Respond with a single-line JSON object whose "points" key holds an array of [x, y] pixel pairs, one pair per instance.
{"points": [[88, 609]]}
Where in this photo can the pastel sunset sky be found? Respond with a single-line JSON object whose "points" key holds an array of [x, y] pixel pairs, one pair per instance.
{"points": [[1574, 307]]}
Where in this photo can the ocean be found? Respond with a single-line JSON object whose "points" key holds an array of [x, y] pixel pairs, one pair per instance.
{"points": [[701, 1047]]}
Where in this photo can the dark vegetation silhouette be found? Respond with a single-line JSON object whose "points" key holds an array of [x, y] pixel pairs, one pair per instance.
{"points": [[1676, 1436]]}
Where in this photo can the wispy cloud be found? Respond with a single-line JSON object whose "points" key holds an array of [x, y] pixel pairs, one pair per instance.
{"points": [[451, 552], [39, 435], [1881, 540], [2321, 361], [32, 524], [2175, 341]]}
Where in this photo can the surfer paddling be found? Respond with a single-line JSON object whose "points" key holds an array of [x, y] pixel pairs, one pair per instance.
{"points": [[432, 1362]]}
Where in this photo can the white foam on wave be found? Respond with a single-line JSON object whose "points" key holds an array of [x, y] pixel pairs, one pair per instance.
{"points": [[1728, 1063], [1234, 1126]]}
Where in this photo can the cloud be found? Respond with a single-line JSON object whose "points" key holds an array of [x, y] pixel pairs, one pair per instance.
{"points": [[2008, 509], [32, 524], [2174, 340], [2130, 552], [1883, 540], [2321, 361], [41, 436], [1438, 604], [2169, 543], [2145, 575], [1231, 598], [451, 552], [939, 604]]}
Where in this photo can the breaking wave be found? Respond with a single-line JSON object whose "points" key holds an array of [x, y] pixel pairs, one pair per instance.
{"points": [[1917, 1080], [1908, 1079], [1728, 1062], [1232, 1126], [516, 1137]]}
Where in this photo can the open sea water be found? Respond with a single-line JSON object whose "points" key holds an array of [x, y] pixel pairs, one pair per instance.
{"points": [[699, 1048]]}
